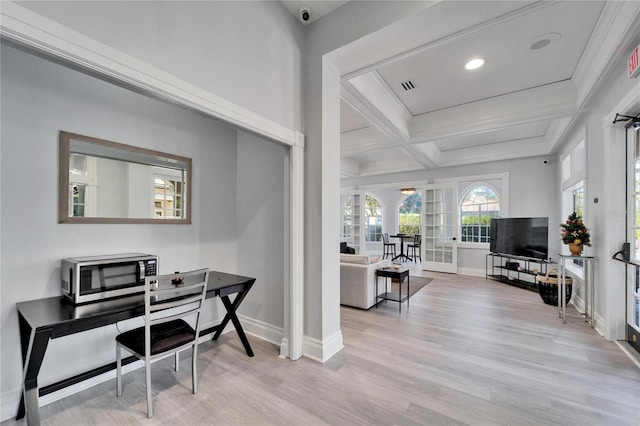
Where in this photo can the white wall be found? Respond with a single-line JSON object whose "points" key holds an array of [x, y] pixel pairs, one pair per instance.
{"points": [[39, 99], [246, 52]]}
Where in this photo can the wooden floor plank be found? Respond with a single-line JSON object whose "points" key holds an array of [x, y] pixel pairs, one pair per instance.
{"points": [[468, 351]]}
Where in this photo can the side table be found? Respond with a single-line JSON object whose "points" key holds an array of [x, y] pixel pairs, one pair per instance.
{"points": [[400, 274], [589, 288]]}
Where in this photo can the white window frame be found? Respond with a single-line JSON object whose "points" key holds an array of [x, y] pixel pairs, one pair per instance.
{"points": [[463, 196], [397, 210], [471, 182], [573, 173], [366, 217]]}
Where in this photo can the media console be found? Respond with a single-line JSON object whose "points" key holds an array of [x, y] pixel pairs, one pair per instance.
{"points": [[515, 270]]}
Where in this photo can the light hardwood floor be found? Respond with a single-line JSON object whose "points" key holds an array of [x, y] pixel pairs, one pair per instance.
{"points": [[467, 351]]}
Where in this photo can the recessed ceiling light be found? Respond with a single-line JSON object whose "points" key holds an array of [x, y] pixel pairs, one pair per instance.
{"points": [[544, 40], [474, 64]]}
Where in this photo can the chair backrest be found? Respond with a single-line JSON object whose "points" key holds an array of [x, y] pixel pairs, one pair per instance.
{"points": [[385, 238], [417, 239], [174, 296]]}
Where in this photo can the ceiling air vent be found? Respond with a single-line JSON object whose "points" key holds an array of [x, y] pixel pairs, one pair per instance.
{"points": [[408, 85]]}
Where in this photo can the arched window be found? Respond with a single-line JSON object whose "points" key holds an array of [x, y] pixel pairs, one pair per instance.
{"points": [[478, 207], [373, 219], [409, 214]]}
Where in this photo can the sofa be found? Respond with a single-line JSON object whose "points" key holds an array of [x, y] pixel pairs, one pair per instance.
{"points": [[358, 279]]}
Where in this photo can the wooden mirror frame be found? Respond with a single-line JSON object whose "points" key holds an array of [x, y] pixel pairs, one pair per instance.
{"points": [[140, 154]]}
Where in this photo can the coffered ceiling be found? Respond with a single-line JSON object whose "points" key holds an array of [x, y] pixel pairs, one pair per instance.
{"points": [[518, 104]]}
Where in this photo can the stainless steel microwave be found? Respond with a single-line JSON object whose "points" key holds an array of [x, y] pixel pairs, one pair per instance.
{"points": [[94, 278]]}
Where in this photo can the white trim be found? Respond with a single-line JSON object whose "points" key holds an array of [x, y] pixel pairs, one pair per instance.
{"points": [[322, 351], [616, 26], [494, 176], [284, 348], [259, 329], [295, 309], [472, 272], [631, 354], [467, 245]]}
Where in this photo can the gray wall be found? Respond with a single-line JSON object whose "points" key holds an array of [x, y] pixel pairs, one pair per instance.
{"points": [[40, 98], [245, 52], [261, 223]]}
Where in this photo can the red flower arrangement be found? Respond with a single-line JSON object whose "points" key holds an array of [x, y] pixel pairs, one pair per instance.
{"points": [[574, 231]]}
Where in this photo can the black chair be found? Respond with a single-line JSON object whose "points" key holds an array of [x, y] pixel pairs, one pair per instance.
{"points": [[413, 250], [344, 248], [389, 249], [168, 299]]}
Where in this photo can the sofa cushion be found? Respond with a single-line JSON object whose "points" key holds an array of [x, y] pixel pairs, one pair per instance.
{"points": [[359, 259]]}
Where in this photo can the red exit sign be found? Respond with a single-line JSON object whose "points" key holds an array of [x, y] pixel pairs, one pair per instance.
{"points": [[632, 63]]}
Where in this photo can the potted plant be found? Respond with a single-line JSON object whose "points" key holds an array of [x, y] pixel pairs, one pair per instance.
{"points": [[575, 234]]}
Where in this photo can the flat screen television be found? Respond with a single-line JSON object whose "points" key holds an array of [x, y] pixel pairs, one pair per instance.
{"points": [[520, 236]]}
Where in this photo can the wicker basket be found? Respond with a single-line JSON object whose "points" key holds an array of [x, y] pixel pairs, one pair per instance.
{"points": [[548, 287]]}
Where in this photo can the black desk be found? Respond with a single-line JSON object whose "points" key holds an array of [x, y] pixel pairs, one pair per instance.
{"points": [[402, 237], [53, 317]]}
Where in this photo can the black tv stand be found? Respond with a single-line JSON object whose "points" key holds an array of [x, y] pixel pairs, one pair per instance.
{"points": [[514, 270]]}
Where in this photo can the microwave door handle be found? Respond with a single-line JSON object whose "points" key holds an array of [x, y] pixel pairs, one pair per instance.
{"points": [[141, 271]]}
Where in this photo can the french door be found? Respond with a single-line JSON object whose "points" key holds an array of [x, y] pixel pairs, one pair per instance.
{"points": [[633, 269], [440, 227]]}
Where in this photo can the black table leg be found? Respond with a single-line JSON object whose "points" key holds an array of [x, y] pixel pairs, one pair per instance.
{"points": [[34, 345], [231, 315]]}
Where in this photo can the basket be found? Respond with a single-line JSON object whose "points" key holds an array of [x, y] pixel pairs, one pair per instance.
{"points": [[548, 287]]}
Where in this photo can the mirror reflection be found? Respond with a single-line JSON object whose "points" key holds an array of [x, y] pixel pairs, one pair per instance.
{"points": [[107, 182]]}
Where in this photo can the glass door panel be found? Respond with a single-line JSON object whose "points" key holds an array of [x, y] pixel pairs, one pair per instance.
{"points": [[439, 231]]}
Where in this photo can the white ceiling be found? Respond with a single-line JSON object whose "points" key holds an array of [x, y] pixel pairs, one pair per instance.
{"points": [[518, 105], [317, 8]]}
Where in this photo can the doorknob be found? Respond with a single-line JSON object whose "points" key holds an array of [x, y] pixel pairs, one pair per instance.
{"points": [[454, 238]]}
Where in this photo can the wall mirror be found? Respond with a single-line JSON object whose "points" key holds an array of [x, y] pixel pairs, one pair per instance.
{"points": [[109, 182]]}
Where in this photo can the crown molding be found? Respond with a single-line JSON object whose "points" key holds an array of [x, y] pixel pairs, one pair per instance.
{"points": [[619, 23]]}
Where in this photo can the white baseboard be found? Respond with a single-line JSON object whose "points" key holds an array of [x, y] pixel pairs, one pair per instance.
{"points": [[260, 329], [284, 348], [472, 272], [321, 351]]}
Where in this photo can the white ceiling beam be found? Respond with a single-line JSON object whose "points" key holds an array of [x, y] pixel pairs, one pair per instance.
{"points": [[556, 132], [371, 89], [545, 102], [389, 166], [530, 147], [361, 106], [349, 168], [367, 139]]}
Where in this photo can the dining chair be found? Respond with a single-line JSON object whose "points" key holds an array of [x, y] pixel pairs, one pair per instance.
{"points": [[389, 249], [413, 250], [168, 300]]}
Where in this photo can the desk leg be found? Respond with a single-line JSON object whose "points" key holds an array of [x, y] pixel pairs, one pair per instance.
{"points": [[231, 315], [33, 345]]}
